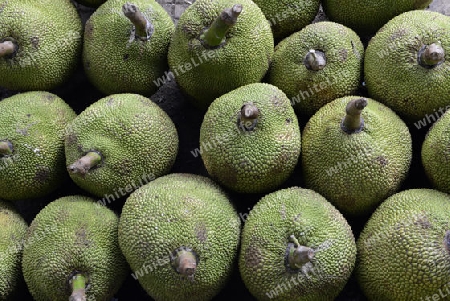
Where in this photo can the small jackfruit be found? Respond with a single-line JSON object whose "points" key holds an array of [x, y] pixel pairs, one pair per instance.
{"points": [[13, 229], [40, 43], [355, 152], [71, 250], [250, 138], [119, 143], [296, 246], [180, 234], [32, 162]]}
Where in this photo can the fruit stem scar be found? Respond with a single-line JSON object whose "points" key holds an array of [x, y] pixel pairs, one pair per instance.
{"points": [[6, 148], [215, 34], [85, 163], [353, 121], [78, 283], [7, 48], [431, 55], [315, 60], [299, 255], [143, 27], [185, 262], [248, 117]]}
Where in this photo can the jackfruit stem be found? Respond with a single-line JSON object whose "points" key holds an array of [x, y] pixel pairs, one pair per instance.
{"points": [[215, 34], [6, 148], [7, 48], [143, 27], [315, 60], [353, 122], [185, 263], [431, 55], [78, 288], [85, 163], [299, 255], [248, 117]]}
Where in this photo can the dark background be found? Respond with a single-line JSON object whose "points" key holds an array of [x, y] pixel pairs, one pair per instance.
{"points": [[79, 93]]}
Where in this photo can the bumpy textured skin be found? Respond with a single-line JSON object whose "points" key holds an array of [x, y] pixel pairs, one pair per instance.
{"points": [[436, 153], [355, 172], [180, 210], [317, 225], [366, 17], [34, 123], [251, 161], [288, 16], [403, 251], [13, 229], [91, 3], [392, 72], [243, 59], [114, 60], [49, 36], [73, 235], [309, 90], [135, 137]]}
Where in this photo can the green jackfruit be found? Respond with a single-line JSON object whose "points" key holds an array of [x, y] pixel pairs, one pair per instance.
{"points": [[288, 16], [366, 17], [72, 249], [318, 64], [405, 66], [250, 138], [40, 43], [125, 46], [436, 153], [13, 229], [296, 246], [32, 144], [119, 143], [180, 235], [219, 45], [404, 249], [355, 152]]}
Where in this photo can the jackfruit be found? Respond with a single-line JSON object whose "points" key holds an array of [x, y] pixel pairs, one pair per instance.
{"points": [[220, 45], [32, 144], [250, 139], [180, 234], [405, 66], [355, 152], [288, 16], [125, 46], [71, 250], [403, 250], [40, 43], [436, 153], [13, 229], [318, 64], [295, 235], [366, 17], [118, 141]]}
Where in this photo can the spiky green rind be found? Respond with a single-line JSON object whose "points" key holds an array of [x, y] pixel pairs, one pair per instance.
{"points": [[73, 235], [392, 71], [403, 249], [135, 137], [243, 59], [436, 153], [48, 35], [114, 60], [33, 122], [13, 229], [251, 161], [355, 172], [309, 90], [180, 210], [317, 225], [366, 17]]}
